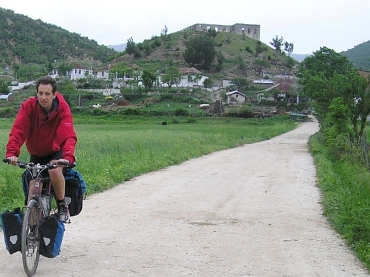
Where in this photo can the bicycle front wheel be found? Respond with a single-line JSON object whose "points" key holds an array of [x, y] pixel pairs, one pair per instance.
{"points": [[31, 238]]}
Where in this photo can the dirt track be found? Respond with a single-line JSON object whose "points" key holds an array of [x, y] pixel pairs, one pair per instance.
{"points": [[249, 211]]}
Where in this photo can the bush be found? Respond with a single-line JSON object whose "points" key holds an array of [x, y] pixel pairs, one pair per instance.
{"points": [[181, 112], [8, 113], [191, 120], [98, 112], [241, 112], [130, 111]]}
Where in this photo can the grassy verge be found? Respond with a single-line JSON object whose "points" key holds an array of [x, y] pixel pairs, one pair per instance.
{"points": [[111, 150], [345, 189]]}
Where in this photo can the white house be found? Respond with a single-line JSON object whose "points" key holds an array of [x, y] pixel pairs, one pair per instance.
{"points": [[235, 97], [191, 77], [80, 71], [103, 72], [54, 73]]}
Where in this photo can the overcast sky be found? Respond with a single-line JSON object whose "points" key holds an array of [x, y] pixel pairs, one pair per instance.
{"points": [[309, 25]]}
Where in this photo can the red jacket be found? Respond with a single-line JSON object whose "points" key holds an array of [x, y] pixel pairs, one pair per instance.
{"points": [[43, 135]]}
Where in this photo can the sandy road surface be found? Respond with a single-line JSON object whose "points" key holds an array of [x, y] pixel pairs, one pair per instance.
{"points": [[249, 211]]}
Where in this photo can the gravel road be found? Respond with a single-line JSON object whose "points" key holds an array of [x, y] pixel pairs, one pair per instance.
{"points": [[249, 211]]}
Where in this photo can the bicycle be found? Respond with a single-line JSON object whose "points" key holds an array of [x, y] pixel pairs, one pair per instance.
{"points": [[39, 206]]}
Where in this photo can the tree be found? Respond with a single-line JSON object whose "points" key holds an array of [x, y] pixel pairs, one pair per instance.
{"points": [[277, 43], [242, 65], [200, 51], [260, 65], [147, 48], [288, 47], [326, 76], [64, 69], [149, 79], [212, 32], [290, 62], [208, 83], [131, 47], [338, 117], [164, 31], [315, 74], [4, 89], [30, 72], [171, 76], [241, 84], [260, 48], [220, 60]]}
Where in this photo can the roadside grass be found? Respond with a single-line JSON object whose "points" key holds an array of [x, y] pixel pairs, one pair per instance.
{"points": [[345, 188], [111, 150]]}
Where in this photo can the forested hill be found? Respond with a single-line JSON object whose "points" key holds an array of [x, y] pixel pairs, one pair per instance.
{"points": [[25, 40], [359, 56]]}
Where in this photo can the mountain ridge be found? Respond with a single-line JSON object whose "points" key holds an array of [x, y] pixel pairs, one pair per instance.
{"points": [[119, 47], [359, 56], [28, 41]]}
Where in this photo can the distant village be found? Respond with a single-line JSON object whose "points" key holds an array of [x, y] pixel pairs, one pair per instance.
{"points": [[190, 78]]}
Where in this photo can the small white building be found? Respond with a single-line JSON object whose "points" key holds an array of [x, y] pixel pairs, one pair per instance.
{"points": [[79, 71], [191, 77], [235, 98], [103, 72]]}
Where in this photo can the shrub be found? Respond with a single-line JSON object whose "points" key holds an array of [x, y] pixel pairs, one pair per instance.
{"points": [[181, 112], [7, 112], [130, 111], [98, 112], [240, 112], [191, 120]]}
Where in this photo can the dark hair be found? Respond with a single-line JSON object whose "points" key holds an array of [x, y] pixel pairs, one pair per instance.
{"points": [[46, 80]]}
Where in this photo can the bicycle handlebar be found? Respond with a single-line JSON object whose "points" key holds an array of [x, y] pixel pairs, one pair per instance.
{"points": [[38, 166]]}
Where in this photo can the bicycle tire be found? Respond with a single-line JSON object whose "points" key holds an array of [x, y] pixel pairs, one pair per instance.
{"points": [[31, 238]]}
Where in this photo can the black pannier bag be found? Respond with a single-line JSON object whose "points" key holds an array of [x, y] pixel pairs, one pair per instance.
{"points": [[51, 236], [11, 222], [74, 191]]}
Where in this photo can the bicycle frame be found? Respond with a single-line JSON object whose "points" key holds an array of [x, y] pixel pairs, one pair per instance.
{"points": [[39, 206], [43, 199]]}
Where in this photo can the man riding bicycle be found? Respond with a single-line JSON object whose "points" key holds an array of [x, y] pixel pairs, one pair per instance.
{"points": [[45, 124]]}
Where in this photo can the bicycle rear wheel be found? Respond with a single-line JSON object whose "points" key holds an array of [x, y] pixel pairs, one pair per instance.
{"points": [[31, 238]]}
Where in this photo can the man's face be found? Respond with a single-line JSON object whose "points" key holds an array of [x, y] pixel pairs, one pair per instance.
{"points": [[45, 96]]}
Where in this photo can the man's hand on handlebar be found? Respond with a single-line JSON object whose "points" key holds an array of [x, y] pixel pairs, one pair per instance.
{"points": [[12, 160]]}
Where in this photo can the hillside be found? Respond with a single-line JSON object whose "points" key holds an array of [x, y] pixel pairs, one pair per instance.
{"points": [[240, 53], [26, 41], [359, 56]]}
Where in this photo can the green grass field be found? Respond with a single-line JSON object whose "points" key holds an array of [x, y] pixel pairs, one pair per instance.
{"points": [[110, 151]]}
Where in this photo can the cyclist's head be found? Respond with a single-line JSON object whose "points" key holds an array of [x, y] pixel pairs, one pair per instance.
{"points": [[47, 80]]}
